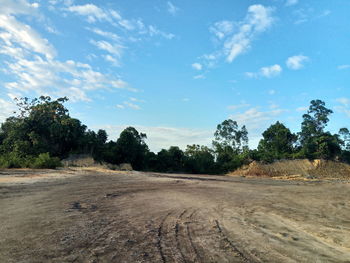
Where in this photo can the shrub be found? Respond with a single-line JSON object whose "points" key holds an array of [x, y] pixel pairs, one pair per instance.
{"points": [[45, 161], [13, 160]]}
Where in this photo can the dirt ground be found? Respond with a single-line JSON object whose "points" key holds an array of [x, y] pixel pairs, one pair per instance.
{"points": [[99, 216]]}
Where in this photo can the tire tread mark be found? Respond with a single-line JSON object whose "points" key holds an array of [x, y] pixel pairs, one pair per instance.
{"points": [[160, 237], [189, 236], [177, 229], [245, 258]]}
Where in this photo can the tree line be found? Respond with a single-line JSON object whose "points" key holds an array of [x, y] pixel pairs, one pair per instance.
{"points": [[42, 132]]}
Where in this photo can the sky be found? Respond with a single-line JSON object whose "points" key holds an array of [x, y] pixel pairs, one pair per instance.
{"points": [[175, 69]]}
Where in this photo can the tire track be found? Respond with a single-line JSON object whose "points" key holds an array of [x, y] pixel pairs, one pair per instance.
{"points": [[240, 254], [190, 237], [177, 230], [160, 237], [195, 250]]}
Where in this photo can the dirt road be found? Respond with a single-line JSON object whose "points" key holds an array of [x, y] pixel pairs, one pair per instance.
{"points": [[94, 216]]}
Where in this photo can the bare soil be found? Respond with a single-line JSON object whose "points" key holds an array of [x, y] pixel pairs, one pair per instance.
{"points": [[298, 169], [98, 216]]}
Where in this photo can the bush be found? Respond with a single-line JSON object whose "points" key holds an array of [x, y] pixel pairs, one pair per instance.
{"points": [[45, 161], [13, 160]]}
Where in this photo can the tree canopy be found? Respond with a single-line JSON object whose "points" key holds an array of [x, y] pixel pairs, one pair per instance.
{"points": [[277, 143], [42, 132]]}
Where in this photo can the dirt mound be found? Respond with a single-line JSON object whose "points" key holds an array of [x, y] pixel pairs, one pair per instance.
{"points": [[79, 160], [296, 169], [86, 160]]}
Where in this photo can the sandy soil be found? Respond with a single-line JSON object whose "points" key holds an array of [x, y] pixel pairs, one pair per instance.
{"points": [[95, 216]]}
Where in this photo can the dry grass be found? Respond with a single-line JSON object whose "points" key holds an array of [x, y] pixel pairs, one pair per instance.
{"points": [[296, 169]]}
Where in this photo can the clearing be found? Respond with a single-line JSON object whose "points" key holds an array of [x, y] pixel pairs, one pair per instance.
{"points": [[87, 215]]}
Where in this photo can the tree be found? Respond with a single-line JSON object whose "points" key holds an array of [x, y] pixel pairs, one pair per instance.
{"points": [[131, 148], [277, 143], [41, 125], [314, 121], [314, 141], [344, 136], [228, 134], [230, 145], [200, 159]]}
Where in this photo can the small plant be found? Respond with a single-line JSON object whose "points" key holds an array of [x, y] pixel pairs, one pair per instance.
{"points": [[13, 160], [45, 161]]}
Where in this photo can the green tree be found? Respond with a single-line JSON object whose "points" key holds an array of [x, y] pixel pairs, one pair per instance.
{"points": [[344, 136], [314, 141], [228, 134], [41, 125], [171, 160], [277, 143], [314, 121], [200, 160], [230, 145], [131, 148]]}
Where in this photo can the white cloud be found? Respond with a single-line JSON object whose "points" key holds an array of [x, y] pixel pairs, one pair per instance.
{"points": [[120, 106], [172, 9], [256, 122], [325, 13], [93, 13], [201, 76], [132, 105], [31, 65], [154, 31], [49, 77], [114, 49], [127, 24], [302, 109], [197, 66], [259, 19], [236, 38], [255, 119], [135, 99], [222, 28], [343, 101], [343, 109], [238, 106], [162, 137], [105, 34], [272, 92], [273, 106], [111, 59], [6, 109], [271, 71], [341, 67], [251, 75], [296, 62], [267, 72], [291, 2], [302, 15], [10, 7], [24, 36]]}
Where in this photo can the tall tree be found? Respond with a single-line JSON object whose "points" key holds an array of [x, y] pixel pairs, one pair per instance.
{"points": [[277, 143], [344, 135], [200, 159], [314, 121], [230, 144], [228, 134], [42, 125], [314, 141], [131, 148]]}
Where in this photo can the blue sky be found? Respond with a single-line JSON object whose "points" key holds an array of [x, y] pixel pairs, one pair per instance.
{"points": [[175, 69]]}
